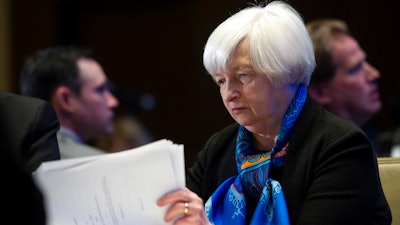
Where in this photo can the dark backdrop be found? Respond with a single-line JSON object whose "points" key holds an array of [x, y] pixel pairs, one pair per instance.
{"points": [[156, 47]]}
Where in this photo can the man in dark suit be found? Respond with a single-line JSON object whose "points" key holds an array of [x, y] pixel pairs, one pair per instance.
{"points": [[28, 129]]}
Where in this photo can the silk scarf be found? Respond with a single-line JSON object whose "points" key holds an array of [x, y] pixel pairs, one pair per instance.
{"points": [[227, 205]]}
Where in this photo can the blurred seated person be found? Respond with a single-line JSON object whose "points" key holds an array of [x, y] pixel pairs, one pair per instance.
{"points": [[344, 82], [76, 85], [31, 125]]}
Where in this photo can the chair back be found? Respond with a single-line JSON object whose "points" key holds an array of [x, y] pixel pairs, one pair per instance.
{"points": [[389, 172]]}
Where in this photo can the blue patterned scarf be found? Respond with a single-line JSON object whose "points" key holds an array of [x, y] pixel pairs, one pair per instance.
{"points": [[227, 205]]}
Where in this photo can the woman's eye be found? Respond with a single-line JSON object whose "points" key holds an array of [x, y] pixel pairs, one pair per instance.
{"points": [[244, 78], [220, 82]]}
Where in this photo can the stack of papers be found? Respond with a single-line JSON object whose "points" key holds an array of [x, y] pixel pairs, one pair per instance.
{"points": [[112, 189]]}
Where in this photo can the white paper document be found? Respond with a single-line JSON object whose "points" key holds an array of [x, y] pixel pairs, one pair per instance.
{"points": [[112, 189]]}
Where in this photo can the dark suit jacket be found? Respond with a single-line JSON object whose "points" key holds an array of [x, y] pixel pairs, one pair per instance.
{"points": [[330, 174], [31, 125], [28, 129]]}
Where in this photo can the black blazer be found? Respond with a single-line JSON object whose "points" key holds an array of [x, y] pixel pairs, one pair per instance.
{"points": [[31, 126], [330, 175]]}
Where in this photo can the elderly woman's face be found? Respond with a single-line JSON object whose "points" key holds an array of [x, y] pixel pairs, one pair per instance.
{"points": [[250, 98]]}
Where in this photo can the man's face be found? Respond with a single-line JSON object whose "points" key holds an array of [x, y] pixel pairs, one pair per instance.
{"points": [[353, 90], [95, 106]]}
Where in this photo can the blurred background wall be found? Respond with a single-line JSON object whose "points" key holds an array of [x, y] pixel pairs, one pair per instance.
{"points": [[5, 44], [155, 47]]}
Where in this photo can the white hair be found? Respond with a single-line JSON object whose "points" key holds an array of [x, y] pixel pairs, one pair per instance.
{"points": [[280, 46]]}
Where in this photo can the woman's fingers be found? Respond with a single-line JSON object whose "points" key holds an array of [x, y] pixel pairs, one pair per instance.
{"points": [[185, 207]]}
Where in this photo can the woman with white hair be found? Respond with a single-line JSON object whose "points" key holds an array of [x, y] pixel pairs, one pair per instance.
{"points": [[285, 160]]}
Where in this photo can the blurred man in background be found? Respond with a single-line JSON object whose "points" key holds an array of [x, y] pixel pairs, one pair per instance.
{"points": [[343, 81], [76, 85]]}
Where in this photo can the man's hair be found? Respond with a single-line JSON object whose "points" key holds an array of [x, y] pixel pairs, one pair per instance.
{"points": [[49, 68], [323, 32]]}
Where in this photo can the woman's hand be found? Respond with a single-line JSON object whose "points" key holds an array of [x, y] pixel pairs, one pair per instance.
{"points": [[185, 206]]}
